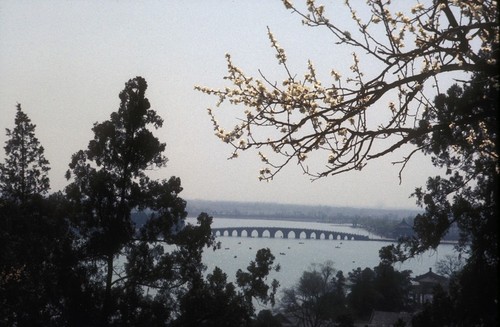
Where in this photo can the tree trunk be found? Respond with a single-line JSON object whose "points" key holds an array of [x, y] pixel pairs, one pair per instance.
{"points": [[106, 308]]}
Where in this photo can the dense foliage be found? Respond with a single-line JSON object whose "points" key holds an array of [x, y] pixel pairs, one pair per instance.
{"points": [[319, 297], [383, 289], [464, 142], [78, 259], [324, 297]]}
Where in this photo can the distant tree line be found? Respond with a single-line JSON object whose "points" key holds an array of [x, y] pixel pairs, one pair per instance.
{"points": [[327, 214]]}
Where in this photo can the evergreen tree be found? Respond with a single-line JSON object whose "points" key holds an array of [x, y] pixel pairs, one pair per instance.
{"points": [[382, 288], [463, 142], [363, 295], [25, 171], [109, 181], [78, 259], [150, 274], [37, 278]]}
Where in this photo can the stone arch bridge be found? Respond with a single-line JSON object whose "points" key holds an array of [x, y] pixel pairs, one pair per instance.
{"points": [[287, 232]]}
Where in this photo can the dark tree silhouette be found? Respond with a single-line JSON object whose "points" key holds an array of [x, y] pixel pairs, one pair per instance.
{"points": [[466, 146], [265, 318], [109, 181], [25, 171], [382, 288], [215, 302], [150, 274], [36, 257], [253, 282], [318, 298]]}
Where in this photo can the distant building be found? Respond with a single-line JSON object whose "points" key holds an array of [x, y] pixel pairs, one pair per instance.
{"points": [[403, 229], [423, 285]]}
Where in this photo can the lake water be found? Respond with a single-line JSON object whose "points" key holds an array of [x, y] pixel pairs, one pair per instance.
{"points": [[296, 255]]}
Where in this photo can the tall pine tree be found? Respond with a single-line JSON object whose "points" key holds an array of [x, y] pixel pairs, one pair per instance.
{"points": [[35, 256], [109, 182], [109, 177], [25, 171]]}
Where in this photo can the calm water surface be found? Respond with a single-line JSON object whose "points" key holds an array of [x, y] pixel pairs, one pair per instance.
{"points": [[296, 255]]}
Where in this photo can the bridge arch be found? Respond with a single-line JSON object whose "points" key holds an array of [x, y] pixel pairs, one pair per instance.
{"points": [[285, 232]]}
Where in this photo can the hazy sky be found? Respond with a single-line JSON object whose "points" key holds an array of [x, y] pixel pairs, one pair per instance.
{"points": [[67, 61]]}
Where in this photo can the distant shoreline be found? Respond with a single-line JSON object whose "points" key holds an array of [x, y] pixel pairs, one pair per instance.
{"points": [[292, 212], [263, 217]]}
